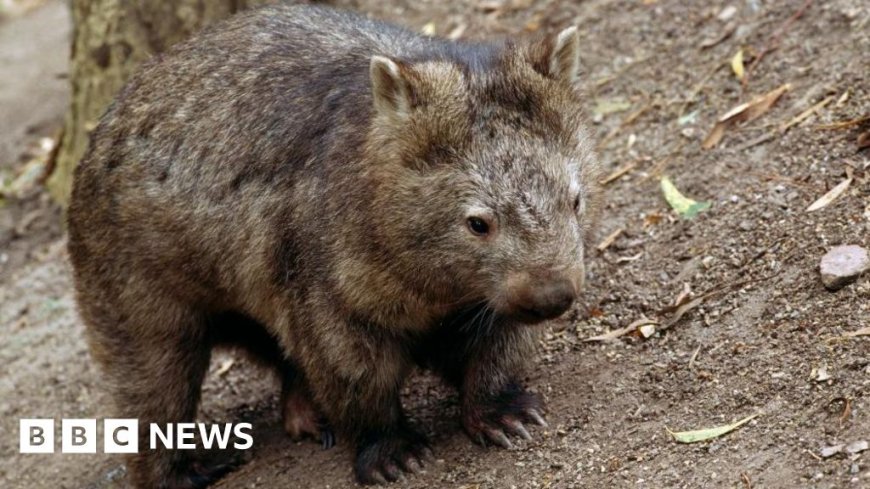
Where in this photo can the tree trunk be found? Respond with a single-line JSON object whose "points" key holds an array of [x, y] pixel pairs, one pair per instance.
{"points": [[110, 39]]}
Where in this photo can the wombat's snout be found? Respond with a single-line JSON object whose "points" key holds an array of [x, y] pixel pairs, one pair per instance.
{"points": [[532, 298]]}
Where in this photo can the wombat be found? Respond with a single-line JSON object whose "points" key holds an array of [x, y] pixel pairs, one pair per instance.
{"points": [[348, 200]]}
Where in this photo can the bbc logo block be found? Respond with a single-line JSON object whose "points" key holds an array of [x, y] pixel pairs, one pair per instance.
{"points": [[37, 436], [79, 436], [122, 436]]}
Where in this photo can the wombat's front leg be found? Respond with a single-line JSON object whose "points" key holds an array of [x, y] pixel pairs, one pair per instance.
{"points": [[486, 365], [356, 381]]}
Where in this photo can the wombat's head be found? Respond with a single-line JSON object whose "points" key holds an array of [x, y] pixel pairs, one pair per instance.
{"points": [[485, 175]]}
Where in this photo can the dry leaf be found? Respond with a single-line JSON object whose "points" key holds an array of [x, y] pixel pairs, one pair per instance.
{"points": [[832, 194], [708, 433], [616, 333], [843, 98], [607, 106], [737, 65], [685, 207], [864, 141], [743, 113]]}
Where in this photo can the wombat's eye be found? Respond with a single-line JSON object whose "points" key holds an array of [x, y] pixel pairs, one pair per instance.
{"points": [[478, 226]]}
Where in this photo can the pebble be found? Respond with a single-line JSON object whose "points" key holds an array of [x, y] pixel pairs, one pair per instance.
{"points": [[843, 265]]}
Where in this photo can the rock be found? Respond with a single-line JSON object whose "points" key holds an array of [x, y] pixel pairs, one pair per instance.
{"points": [[857, 446], [843, 265], [831, 451]]}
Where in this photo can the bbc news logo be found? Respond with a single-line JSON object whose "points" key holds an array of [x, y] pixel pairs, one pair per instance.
{"points": [[122, 436]]}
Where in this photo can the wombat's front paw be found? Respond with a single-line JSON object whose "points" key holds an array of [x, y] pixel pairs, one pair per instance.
{"points": [[490, 418], [386, 458]]}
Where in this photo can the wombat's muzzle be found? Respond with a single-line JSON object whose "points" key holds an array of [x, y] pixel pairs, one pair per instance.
{"points": [[534, 299]]}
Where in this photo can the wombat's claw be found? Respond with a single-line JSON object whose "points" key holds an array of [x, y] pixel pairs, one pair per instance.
{"points": [[536, 417], [499, 438], [517, 428], [505, 414], [388, 459], [327, 437]]}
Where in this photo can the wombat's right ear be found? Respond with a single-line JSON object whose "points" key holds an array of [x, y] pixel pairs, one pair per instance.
{"points": [[558, 56], [390, 89]]}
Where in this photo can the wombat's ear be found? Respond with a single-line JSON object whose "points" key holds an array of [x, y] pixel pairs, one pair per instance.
{"points": [[558, 56], [390, 89], [565, 58]]}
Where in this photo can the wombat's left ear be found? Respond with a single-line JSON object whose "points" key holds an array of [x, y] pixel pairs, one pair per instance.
{"points": [[391, 90], [559, 56]]}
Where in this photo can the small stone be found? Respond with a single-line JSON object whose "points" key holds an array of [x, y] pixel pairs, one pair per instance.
{"points": [[857, 446], [727, 12], [831, 451], [843, 265], [822, 374]]}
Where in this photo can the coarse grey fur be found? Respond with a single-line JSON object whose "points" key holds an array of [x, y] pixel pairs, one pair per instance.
{"points": [[346, 199]]}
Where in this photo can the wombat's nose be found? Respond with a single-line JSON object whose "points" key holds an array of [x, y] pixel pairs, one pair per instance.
{"points": [[546, 300]]}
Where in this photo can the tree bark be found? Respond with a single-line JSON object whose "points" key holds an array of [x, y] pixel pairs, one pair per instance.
{"points": [[110, 39]]}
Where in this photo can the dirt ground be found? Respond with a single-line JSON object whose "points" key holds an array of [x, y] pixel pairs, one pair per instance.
{"points": [[766, 339]]}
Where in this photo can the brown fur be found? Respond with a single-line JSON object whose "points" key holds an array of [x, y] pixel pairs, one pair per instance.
{"points": [[298, 180]]}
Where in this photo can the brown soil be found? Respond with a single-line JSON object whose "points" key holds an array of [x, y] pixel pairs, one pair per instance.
{"points": [[753, 347]]}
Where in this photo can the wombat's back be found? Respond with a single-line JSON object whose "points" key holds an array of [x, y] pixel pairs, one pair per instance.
{"points": [[217, 145]]}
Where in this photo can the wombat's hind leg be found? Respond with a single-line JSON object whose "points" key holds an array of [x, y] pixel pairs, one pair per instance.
{"points": [[302, 418], [156, 360]]}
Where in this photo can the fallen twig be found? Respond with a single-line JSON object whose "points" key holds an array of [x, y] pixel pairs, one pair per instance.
{"points": [[618, 173], [805, 114], [609, 240], [832, 194], [844, 124]]}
